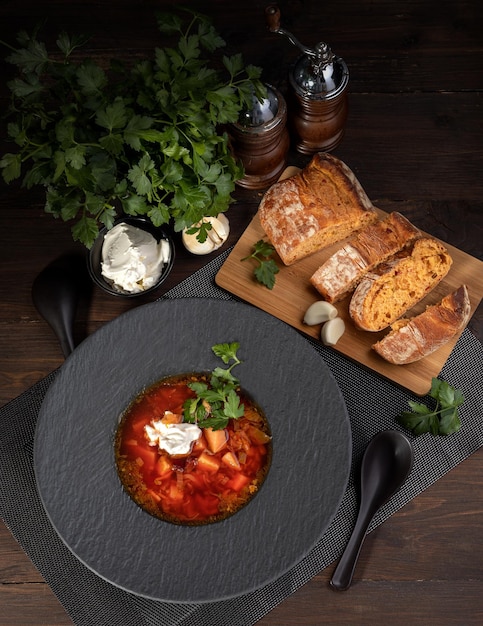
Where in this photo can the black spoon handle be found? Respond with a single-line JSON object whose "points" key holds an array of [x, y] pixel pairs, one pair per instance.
{"points": [[342, 576], [63, 324], [55, 294]]}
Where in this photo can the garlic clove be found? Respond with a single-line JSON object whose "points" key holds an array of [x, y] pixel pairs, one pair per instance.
{"points": [[216, 236], [319, 312], [332, 331]]}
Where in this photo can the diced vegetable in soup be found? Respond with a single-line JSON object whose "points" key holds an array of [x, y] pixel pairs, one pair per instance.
{"points": [[184, 474]]}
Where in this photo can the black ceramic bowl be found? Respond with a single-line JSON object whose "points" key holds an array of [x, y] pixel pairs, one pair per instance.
{"points": [[95, 256]]}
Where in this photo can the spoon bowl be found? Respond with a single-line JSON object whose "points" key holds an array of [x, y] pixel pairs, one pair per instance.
{"points": [[386, 464]]}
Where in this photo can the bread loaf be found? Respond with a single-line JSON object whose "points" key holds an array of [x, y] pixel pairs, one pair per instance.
{"points": [[393, 287], [320, 205], [374, 244], [412, 339]]}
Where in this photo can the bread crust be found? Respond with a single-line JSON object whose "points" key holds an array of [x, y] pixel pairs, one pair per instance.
{"points": [[424, 334], [394, 287], [373, 245], [322, 204]]}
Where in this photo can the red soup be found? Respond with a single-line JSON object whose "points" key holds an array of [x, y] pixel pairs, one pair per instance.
{"points": [[220, 473]]}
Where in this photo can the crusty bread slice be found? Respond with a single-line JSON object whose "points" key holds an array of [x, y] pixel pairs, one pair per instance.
{"points": [[412, 339], [373, 245], [393, 287], [322, 204]]}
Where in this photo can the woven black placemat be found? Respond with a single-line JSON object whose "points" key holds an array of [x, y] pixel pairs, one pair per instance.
{"points": [[372, 404]]}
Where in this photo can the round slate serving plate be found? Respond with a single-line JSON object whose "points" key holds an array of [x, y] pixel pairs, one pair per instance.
{"points": [[82, 494]]}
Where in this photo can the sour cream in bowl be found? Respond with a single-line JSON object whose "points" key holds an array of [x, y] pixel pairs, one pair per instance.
{"points": [[132, 258]]}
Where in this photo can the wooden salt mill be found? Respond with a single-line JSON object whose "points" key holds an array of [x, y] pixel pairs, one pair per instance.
{"points": [[261, 141], [318, 81]]}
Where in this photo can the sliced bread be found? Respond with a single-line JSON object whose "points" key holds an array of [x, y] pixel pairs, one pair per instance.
{"points": [[417, 337], [385, 294], [373, 245]]}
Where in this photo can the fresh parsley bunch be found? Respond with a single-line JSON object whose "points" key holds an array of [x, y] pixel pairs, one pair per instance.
{"points": [[442, 419], [217, 402], [144, 140]]}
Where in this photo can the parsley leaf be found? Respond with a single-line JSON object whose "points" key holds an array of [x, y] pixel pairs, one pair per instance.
{"points": [[232, 407], [267, 268], [217, 402], [443, 419], [11, 164], [226, 352]]}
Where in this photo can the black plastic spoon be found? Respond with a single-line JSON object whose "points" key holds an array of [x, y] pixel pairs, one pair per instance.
{"points": [[386, 464], [56, 293]]}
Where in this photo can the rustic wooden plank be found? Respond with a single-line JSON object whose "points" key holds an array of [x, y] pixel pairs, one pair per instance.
{"points": [[415, 115], [388, 46], [31, 604], [25, 598], [402, 604], [14, 568]]}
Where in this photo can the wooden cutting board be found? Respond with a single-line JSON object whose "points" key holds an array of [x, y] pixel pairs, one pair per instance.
{"points": [[293, 294]]}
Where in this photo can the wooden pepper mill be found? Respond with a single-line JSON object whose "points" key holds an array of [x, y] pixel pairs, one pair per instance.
{"points": [[318, 81]]}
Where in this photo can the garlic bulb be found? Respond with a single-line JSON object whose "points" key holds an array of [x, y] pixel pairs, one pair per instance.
{"points": [[216, 236]]}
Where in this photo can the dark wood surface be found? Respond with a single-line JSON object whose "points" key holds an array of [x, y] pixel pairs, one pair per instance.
{"points": [[415, 140]]}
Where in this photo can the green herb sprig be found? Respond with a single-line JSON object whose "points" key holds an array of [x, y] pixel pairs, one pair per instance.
{"points": [[141, 139], [217, 402], [443, 419], [266, 269]]}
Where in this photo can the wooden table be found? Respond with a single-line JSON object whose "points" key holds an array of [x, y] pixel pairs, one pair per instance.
{"points": [[414, 138]]}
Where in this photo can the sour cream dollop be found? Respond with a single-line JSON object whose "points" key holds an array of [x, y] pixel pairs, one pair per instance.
{"points": [[173, 438], [132, 259]]}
